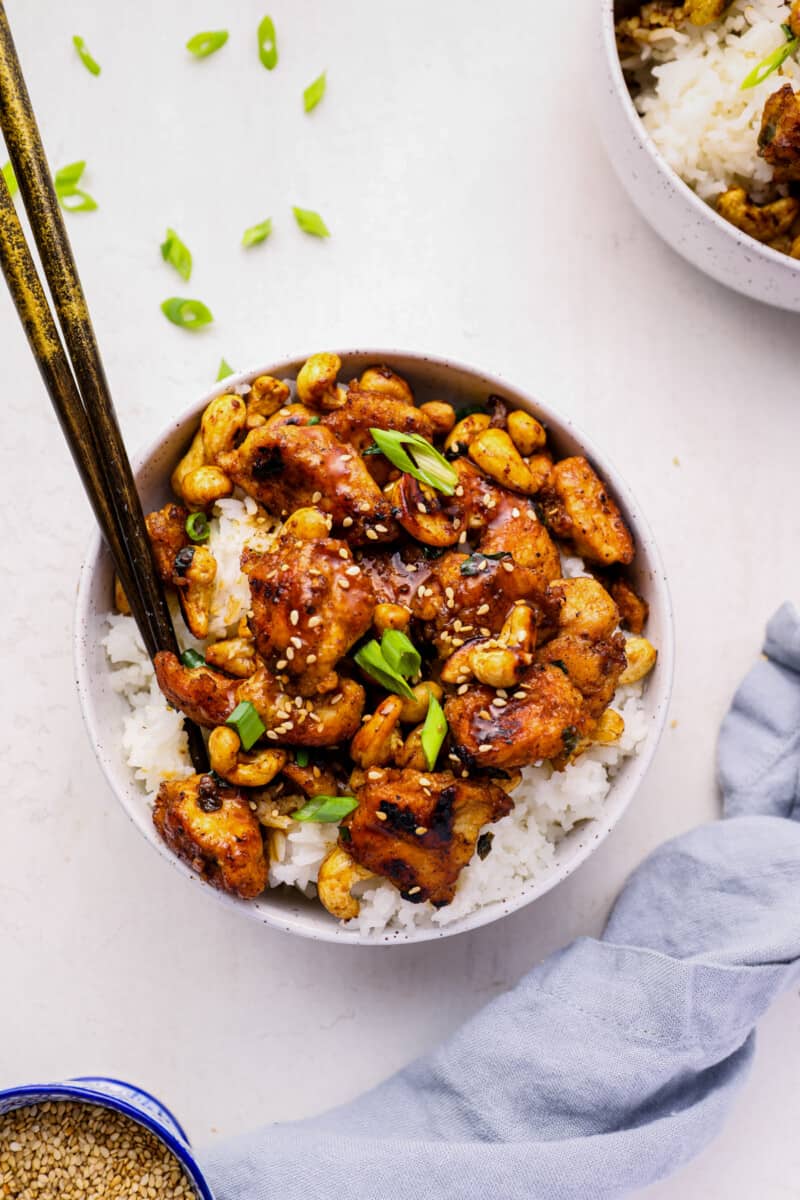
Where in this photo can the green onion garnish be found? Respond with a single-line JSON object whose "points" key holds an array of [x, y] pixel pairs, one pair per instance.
{"points": [[326, 810], [410, 452], [11, 179], [267, 44], [313, 420], [225, 369], [257, 233], [311, 222], [434, 731], [177, 254], [247, 723], [203, 44], [302, 757], [372, 663], [189, 314], [475, 563], [192, 659], [400, 653], [197, 527], [773, 61], [83, 54], [70, 196], [314, 93]]}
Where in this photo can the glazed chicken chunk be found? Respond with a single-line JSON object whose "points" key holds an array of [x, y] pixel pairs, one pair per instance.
{"points": [[764, 222], [211, 827], [374, 410], [189, 568], [419, 830], [206, 697], [779, 139], [577, 507], [295, 466]]}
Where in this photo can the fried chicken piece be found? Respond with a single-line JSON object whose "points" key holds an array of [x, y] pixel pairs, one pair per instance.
{"points": [[190, 569], [211, 827], [293, 466], [205, 696], [468, 596], [577, 507], [419, 830], [295, 721], [633, 610], [703, 12], [311, 602], [764, 222], [594, 667], [516, 529], [779, 139], [166, 529], [544, 712], [367, 410], [396, 575]]}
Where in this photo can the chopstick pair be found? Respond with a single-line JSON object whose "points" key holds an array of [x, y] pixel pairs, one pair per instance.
{"points": [[74, 377]]}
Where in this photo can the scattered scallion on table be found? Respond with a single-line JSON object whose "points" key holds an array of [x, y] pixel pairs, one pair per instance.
{"points": [[188, 314], [177, 254], [434, 731], [91, 64], [311, 222], [411, 453], [192, 659], [257, 233], [11, 179], [326, 810], [314, 93], [203, 44], [267, 43], [773, 61], [70, 196], [197, 527], [247, 723], [225, 369]]}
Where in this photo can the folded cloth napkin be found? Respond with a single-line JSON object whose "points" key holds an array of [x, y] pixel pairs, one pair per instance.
{"points": [[615, 1061]]}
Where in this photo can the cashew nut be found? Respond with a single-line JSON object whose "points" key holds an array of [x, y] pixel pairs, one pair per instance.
{"points": [[235, 655], [197, 590], [379, 739], [222, 422], [609, 728], [467, 428], [587, 607], [390, 616], [316, 382], [421, 513], [441, 416], [338, 875], [497, 456], [527, 434], [266, 396], [307, 524], [411, 755], [120, 599], [385, 381], [641, 656], [416, 710], [243, 770]]}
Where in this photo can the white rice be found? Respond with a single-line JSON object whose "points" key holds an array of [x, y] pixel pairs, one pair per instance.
{"points": [[547, 803], [691, 98]]}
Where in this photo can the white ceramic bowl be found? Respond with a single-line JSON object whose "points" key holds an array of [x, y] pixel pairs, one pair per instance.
{"points": [[103, 710], [682, 219]]}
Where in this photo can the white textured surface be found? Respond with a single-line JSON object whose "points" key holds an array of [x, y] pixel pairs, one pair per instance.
{"points": [[474, 215]]}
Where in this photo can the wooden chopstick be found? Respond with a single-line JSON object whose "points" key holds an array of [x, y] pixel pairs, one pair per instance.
{"points": [[85, 409]]}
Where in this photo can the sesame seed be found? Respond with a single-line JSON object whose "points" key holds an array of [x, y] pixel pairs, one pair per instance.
{"points": [[485, 631], [421, 830], [298, 701], [344, 553], [485, 749], [290, 653], [414, 891], [484, 608], [372, 535], [459, 490], [462, 537], [519, 695], [381, 816], [374, 774], [272, 735], [499, 702], [344, 583], [294, 616], [280, 666], [314, 621], [485, 714], [337, 698], [421, 507], [515, 512], [507, 566], [463, 689], [316, 497], [347, 522], [311, 658], [353, 571], [382, 529]]}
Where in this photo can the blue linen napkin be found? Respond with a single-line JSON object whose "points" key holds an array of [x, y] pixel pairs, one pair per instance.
{"points": [[615, 1061]]}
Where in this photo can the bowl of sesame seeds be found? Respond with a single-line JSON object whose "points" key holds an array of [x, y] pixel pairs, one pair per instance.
{"points": [[93, 1139]]}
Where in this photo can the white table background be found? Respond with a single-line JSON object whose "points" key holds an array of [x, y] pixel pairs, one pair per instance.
{"points": [[473, 214]]}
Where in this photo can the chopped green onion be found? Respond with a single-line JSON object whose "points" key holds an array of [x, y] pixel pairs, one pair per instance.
{"points": [[91, 64], [474, 564], [225, 369], [400, 653], [326, 810], [302, 757], [69, 176], [372, 663], [203, 44], [189, 314], [197, 527], [267, 44], [70, 196], [11, 179], [247, 723], [419, 458], [311, 222], [314, 93], [257, 233], [313, 420], [773, 61], [434, 731], [192, 659], [177, 254]]}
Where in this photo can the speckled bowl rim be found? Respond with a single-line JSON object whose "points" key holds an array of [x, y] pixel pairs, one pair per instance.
{"points": [[703, 210], [313, 922]]}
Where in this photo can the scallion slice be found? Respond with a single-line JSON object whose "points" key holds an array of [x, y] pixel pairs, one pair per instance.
{"points": [[192, 659], [326, 810], [434, 731], [773, 61], [400, 653], [11, 179], [410, 452], [257, 233], [70, 196], [314, 93], [247, 723], [478, 562], [372, 663], [225, 369], [267, 44], [90, 63], [177, 254], [203, 44], [311, 222], [302, 757], [69, 176], [197, 527], [189, 314]]}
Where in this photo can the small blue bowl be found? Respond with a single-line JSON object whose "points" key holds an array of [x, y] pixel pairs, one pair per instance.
{"points": [[123, 1098]]}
